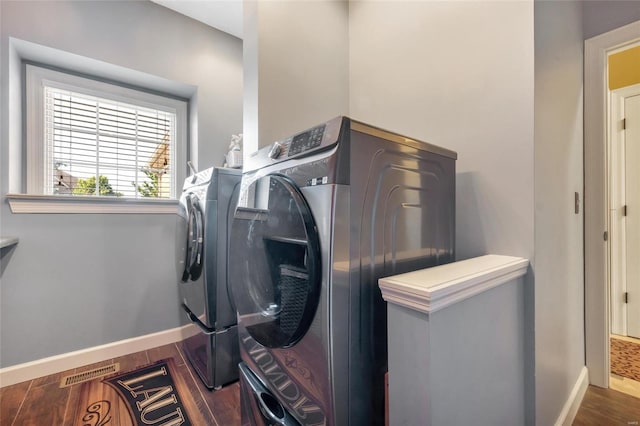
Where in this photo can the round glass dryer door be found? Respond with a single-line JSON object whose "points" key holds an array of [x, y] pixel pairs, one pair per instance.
{"points": [[274, 262], [189, 238]]}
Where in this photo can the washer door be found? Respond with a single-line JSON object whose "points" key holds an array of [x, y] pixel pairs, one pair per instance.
{"points": [[274, 262], [192, 268]]}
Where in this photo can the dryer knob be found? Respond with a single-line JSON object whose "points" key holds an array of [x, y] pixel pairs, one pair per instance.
{"points": [[275, 150]]}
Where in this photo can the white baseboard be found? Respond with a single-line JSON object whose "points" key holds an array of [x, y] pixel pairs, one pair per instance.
{"points": [[58, 363], [570, 409]]}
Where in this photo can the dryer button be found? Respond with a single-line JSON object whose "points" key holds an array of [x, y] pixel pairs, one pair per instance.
{"points": [[275, 150]]}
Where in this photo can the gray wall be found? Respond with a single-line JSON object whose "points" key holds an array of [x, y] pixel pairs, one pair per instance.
{"points": [[77, 281], [458, 75], [601, 16], [559, 266], [296, 67]]}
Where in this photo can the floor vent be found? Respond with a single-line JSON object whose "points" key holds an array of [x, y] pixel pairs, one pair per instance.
{"points": [[85, 376]]}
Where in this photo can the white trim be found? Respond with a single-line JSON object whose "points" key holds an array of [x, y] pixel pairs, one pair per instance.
{"points": [[622, 48], [628, 91], [39, 169], [618, 256], [56, 364], [571, 406], [26, 203], [429, 290], [595, 168]]}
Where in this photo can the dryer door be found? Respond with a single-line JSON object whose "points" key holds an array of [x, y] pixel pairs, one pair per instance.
{"points": [[274, 262], [190, 238]]}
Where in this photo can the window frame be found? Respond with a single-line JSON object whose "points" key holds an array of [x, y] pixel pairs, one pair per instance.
{"points": [[36, 76]]}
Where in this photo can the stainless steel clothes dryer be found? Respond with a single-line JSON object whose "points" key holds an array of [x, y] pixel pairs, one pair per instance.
{"points": [[205, 212], [321, 217]]}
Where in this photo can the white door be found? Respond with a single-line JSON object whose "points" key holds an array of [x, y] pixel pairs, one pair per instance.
{"points": [[632, 195]]}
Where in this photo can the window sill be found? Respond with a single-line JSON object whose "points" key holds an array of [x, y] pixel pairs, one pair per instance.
{"points": [[27, 203]]}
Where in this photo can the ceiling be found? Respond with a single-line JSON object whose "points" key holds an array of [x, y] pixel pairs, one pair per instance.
{"points": [[224, 15]]}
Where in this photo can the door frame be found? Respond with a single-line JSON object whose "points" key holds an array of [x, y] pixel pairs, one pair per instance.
{"points": [[617, 199], [596, 248]]}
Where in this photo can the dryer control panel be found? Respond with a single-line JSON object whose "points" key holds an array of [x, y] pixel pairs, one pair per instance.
{"points": [[300, 145], [306, 140]]}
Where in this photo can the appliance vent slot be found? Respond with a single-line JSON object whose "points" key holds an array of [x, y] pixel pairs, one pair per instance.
{"points": [[85, 376]]}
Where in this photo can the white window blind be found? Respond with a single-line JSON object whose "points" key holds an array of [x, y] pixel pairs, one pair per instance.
{"points": [[95, 139], [98, 147]]}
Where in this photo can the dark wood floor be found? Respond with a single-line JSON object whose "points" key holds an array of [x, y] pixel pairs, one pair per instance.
{"points": [[41, 401], [607, 407]]}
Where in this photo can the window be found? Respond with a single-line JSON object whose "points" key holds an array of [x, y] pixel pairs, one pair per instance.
{"points": [[88, 138]]}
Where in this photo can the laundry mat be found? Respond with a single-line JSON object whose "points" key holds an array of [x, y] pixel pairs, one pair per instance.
{"points": [[155, 394], [625, 358]]}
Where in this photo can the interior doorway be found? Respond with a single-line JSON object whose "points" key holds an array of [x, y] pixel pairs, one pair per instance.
{"points": [[624, 211], [632, 211], [597, 199], [623, 148]]}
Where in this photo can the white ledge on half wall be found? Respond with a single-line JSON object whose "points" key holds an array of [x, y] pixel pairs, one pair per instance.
{"points": [[8, 241], [431, 289]]}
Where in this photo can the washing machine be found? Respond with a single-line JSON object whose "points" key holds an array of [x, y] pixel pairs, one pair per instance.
{"points": [[321, 216], [205, 213]]}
